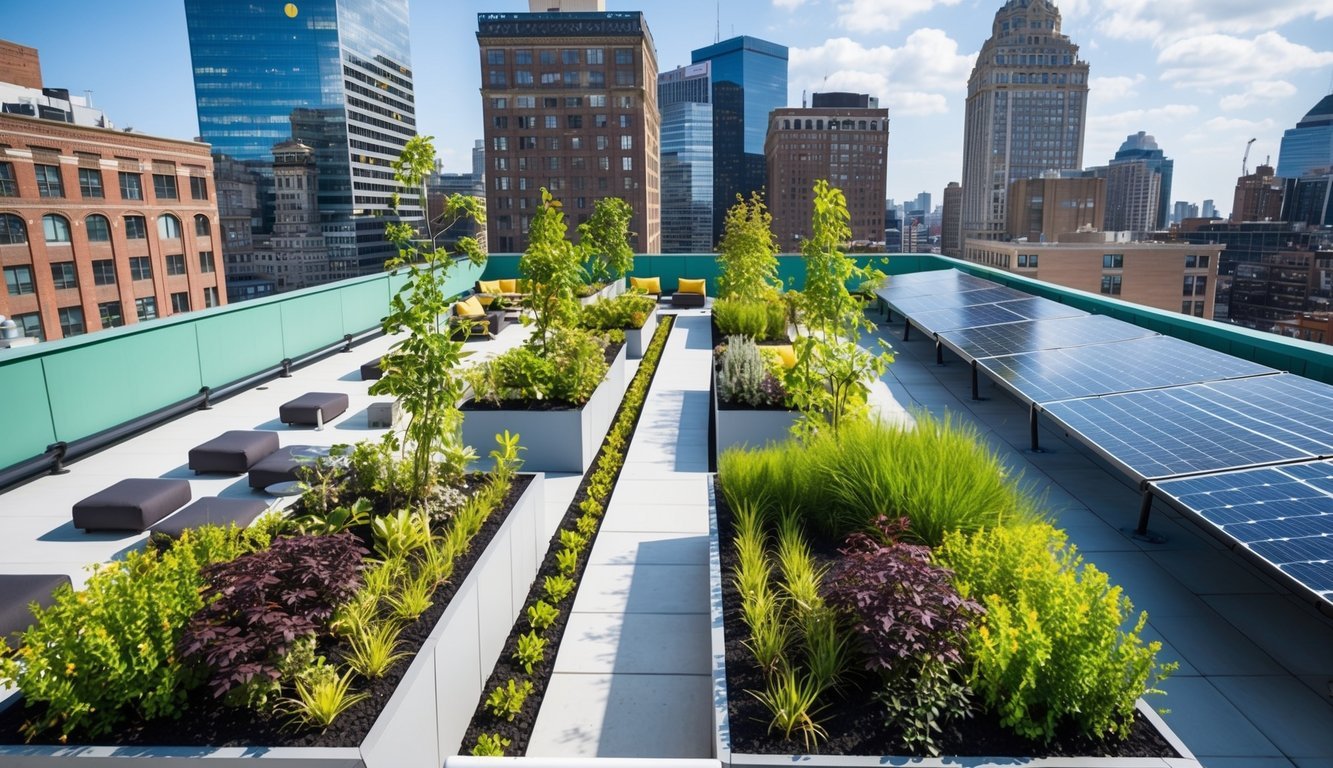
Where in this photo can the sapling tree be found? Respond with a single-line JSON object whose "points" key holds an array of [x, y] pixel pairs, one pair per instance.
{"points": [[747, 253], [604, 239], [554, 271]]}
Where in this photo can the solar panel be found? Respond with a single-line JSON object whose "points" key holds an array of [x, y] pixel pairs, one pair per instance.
{"points": [[1012, 338], [939, 320], [943, 281], [1282, 514], [1049, 375], [915, 304], [1037, 308], [1297, 410]]}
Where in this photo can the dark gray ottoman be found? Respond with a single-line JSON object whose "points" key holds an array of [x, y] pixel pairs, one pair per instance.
{"points": [[18, 591], [131, 505], [315, 408], [688, 300], [211, 511], [233, 452], [281, 465], [372, 370]]}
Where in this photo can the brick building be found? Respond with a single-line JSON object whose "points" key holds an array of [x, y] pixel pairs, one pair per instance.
{"points": [[101, 228]]}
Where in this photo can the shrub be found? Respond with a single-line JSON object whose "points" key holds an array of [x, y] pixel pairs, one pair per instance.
{"points": [[569, 370], [604, 240], [261, 603], [764, 320], [745, 376], [747, 253], [624, 312], [1053, 648]]}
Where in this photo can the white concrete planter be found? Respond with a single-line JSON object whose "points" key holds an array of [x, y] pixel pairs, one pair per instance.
{"points": [[608, 291], [637, 339], [555, 440], [425, 719], [749, 427], [722, 725]]}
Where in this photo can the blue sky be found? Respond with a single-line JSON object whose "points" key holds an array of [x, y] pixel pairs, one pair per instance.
{"points": [[1202, 76]]}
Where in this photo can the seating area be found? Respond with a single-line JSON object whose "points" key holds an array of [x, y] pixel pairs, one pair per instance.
{"points": [[313, 408], [512, 290], [232, 452], [131, 505], [690, 294], [471, 319]]}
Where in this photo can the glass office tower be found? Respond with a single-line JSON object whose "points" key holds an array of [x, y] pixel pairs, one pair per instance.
{"points": [[1308, 148], [684, 96], [333, 74], [749, 81]]}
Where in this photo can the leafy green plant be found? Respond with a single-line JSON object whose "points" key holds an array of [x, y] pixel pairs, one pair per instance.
{"points": [[552, 267], [376, 467], [375, 648], [542, 614], [569, 369], [800, 576], [770, 632], [531, 650], [764, 320], [604, 240], [624, 312], [747, 253], [507, 700], [412, 598], [792, 700], [490, 745], [401, 534], [322, 522], [826, 646], [322, 695], [558, 587], [567, 561], [745, 377], [589, 520]]}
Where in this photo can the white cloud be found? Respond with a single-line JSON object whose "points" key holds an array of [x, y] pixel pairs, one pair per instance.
{"points": [[1106, 133], [1104, 89], [881, 15], [1257, 93], [788, 4], [1166, 21], [917, 78], [1207, 61]]}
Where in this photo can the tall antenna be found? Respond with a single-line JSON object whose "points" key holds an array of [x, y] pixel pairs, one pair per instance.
{"points": [[717, 15]]}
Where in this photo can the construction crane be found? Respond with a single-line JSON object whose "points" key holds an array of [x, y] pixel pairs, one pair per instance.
{"points": [[1245, 161]]}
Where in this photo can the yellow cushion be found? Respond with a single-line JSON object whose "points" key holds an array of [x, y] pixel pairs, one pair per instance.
{"points": [[469, 307], [693, 286], [490, 286], [646, 284], [508, 286], [786, 354]]}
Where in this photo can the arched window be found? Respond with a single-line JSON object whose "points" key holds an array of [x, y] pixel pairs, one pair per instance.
{"points": [[874, 125], [809, 125], [819, 125], [786, 125], [56, 228], [201, 226], [168, 227], [98, 228], [860, 125], [12, 231], [847, 125]]}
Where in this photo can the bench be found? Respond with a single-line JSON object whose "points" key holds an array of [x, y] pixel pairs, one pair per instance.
{"points": [[233, 452], [211, 511], [281, 466], [131, 505], [372, 370], [690, 294], [18, 591], [313, 408]]}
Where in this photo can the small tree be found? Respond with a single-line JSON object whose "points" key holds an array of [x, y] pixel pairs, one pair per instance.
{"points": [[604, 238], [554, 272], [748, 252], [422, 369]]}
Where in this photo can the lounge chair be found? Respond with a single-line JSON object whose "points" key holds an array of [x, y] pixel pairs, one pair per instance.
{"points": [[690, 293]]}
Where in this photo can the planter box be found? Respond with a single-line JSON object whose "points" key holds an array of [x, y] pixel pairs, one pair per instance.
{"points": [[608, 291], [554, 440], [426, 717], [722, 726], [748, 426], [637, 339]]}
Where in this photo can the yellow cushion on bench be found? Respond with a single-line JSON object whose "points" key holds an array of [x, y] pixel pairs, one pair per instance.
{"points": [[693, 286], [508, 285], [490, 286], [785, 353], [646, 284], [469, 307]]}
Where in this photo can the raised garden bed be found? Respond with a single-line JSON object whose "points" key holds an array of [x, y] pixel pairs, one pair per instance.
{"points": [[415, 715], [743, 425], [608, 291], [637, 339]]}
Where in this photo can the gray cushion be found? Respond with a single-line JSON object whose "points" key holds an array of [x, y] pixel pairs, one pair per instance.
{"points": [[18, 591], [372, 370], [131, 505], [306, 408], [281, 465], [235, 451], [211, 511], [688, 299]]}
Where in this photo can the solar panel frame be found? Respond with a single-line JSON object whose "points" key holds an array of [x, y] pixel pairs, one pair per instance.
{"points": [[1033, 335]]}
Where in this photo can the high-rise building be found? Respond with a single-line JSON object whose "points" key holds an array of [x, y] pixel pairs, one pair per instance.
{"points": [[922, 202], [1309, 200], [1132, 204], [685, 98], [1258, 196], [951, 228], [749, 81], [1047, 208], [1139, 148], [1026, 111], [1209, 209], [1183, 210], [569, 102], [843, 138], [334, 75], [1308, 148], [297, 256]]}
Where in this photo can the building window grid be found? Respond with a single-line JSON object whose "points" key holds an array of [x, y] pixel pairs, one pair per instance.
{"points": [[136, 228], [8, 184], [198, 188], [104, 272], [145, 308], [64, 275], [180, 302], [111, 314], [18, 281], [164, 186], [71, 321], [90, 183], [48, 180], [141, 268], [131, 186]]}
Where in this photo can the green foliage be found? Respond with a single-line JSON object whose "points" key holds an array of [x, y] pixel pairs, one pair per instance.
{"points": [[624, 312], [490, 745], [322, 695], [531, 650], [542, 614], [107, 654], [552, 267], [748, 253], [567, 561], [921, 700], [1059, 644], [792, 699], [374, 648], [507, 700], [412, 598], [400, 534], [764, 320], [376, 468], [558, 587], [604, 239], [569, 370], [800, 575], [317, 522], [422, 369], [747, 377]]}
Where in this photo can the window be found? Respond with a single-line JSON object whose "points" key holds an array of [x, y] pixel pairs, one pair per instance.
{"points": [[90, 182], [1113, 261], [576, 142], [522, 77], [98, 229], [1203, 262], [8, 185], [141, 268], [627, 142], [201, 226], [551, 121], [206, 263], [1111, 285], [502, 122], [135, 228], [168, 227], [180, 302], [626, 163], [495, 56], [130, 186], [624, 56], [523, 56], [496, 78], [176, 264], [18, 281], [500, 143], [104, 272], [146, 308], [624, 77], [48, 181], [595, 55], [525, 102], [574, 121], [573, 102], [71, 321], [111, 314], [499, 102], [56, 228], [569, 56], [12, 231], [546, 57], [211, 297], [198, 188], [164, 186], [64, 275], [597, 101], [31, 323], [1198, 309]]}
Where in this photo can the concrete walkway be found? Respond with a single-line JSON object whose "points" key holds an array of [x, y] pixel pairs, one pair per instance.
{"points": [[632, 675]]}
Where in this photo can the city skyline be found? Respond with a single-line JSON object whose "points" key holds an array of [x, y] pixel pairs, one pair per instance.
{"points": [[1201, 78]]}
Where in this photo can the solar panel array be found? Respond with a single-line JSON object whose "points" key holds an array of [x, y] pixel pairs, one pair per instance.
{"points": [[1202, 428]]}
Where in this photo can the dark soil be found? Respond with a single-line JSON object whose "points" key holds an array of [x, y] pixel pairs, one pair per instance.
{"points": [[611, 351], [855, 723], [519, 730], [206, 722]]}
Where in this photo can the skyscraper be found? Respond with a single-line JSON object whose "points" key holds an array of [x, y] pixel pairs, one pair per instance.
{"points": [[749, 81], [1258, 196], [685, 97], [1142, 148], [332, 74], [1132, 202], [1026, 110], [951, 234], [1308, 147], [569, 103]]}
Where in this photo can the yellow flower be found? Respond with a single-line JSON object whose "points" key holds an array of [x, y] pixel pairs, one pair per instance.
{"points": [[69, 668]]}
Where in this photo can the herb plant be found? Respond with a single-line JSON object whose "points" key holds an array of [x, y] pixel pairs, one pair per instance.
{"points": [[507, 700], [531, 650], [490, 745]]}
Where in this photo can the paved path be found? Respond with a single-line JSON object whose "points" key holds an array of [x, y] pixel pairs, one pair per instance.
{"points": [[632, 675]]}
